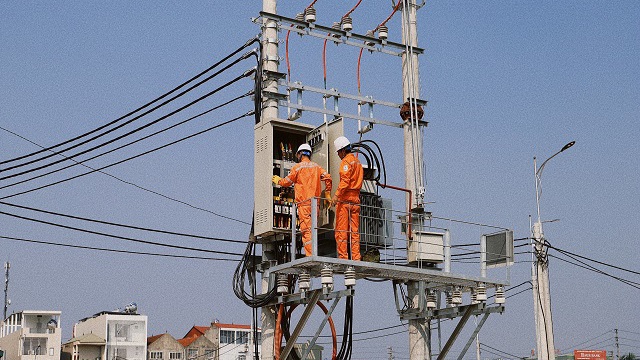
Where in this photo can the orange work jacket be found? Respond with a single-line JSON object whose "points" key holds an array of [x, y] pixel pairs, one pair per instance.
{"points": [[350, 179], [307, 175]]}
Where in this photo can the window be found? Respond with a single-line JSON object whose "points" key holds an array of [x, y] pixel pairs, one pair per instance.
{"points": [[193, 353], [227, 337], [175, 356], [242, 337], [34, 346], [208, 354], [155, 355]]}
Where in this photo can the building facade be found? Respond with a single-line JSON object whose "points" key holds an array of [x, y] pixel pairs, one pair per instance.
{"points": [[164, 347], [31, 335], [125, 336]]}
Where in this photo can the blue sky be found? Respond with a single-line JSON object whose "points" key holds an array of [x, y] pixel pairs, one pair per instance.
{"points": [[505, 81]]}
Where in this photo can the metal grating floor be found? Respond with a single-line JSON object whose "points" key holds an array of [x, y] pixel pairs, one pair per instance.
{"points": [[434, 278]]}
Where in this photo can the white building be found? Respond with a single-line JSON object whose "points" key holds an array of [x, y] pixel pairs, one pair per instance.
{"points": [[125, 337], [31, 335], [235, 342]]}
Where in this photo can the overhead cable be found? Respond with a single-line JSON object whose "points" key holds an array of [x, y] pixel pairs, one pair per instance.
{"points": [[113, 250], [244, 46], [76, 162], [131, 157], [593, 260], [596, 270], [126, 238], [245, 74], [122, 225], [134, 184]]}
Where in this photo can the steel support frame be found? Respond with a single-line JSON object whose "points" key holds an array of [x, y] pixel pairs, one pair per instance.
{"points": [[340, 36]]}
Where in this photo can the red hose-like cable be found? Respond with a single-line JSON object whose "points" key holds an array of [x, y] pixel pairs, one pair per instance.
{"points": [[277, 334], [310, 5], [324, 62], [352, 10], [389, 18], [358, 71], [334, 335], [286, 52]]}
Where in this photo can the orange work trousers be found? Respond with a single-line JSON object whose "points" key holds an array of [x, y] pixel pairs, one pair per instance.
{"points": [[346, 231], [304, 214]]}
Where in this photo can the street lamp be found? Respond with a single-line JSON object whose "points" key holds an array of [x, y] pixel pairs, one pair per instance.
{"points": [[540, 275]]}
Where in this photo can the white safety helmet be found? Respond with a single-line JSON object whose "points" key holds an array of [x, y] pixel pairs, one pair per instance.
{"points": [[304, 147], [341, 143]]}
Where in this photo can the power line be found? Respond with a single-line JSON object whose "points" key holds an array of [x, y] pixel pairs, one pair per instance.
{"points": [[122, 225], [591, 268], [584, 342], [119, 147], [593, 260], [235, 52], [132, 157], [245, 74], [113, 250], [129, 182], [504, 352], [118, 236]]}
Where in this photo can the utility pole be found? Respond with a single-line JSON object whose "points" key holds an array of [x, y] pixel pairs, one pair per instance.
{"points": [[7, 302], [390, 353], [617, 346], [540, 275], [269, 111], [419, 349]]}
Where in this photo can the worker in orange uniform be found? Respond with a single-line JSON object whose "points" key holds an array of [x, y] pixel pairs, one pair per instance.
{"points": [[347, 201], [306, 177]]}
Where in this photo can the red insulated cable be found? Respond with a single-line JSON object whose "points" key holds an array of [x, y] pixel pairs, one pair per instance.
{"points": [[352, 10], [334, 335], [358, 71], [286, 52], [310, 5], [324, 62], [390, 16], [277, 343]]}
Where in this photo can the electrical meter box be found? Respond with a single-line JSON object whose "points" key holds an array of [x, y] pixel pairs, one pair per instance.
{"points": [[276, 143], [426, 247]]}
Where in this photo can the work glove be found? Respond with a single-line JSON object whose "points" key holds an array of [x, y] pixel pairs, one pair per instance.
{"points": [[276, 179], [334, 201], [327, 199]]}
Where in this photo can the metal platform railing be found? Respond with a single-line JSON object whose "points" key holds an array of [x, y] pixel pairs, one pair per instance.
{"points": [[385, 238]]}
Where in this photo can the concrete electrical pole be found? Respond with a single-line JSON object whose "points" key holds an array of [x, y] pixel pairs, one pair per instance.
{"points": [[617, 346], [540, 276], [7, 302], [269, 112], [419, 349]]}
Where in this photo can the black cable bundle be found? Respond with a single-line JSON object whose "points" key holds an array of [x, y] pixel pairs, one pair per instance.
{"points": [[363, 148], [347, 333], [247, 269]]}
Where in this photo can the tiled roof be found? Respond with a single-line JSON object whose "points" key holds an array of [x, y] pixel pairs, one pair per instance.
{"points": [[152, 339], [232, 326], [187, 341], [202, 329]]}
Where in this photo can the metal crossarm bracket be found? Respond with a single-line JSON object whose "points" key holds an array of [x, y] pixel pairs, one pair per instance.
{"points": [[341, 36]]}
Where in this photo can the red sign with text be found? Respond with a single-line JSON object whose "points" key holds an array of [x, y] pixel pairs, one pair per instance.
{"points": [[590, 354]]}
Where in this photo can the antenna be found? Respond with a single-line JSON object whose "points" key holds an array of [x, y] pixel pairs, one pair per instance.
{"points": [[7, 302]]}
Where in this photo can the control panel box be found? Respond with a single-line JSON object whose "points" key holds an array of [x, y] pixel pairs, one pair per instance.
{"points": [[276, 142], [426, 247]]}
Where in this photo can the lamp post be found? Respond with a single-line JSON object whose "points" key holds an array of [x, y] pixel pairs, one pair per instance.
{"points": [[540, 275]]}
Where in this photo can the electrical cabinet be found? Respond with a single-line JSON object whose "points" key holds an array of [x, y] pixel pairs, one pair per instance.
{"points": [[426, 247], [276, 142]]}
